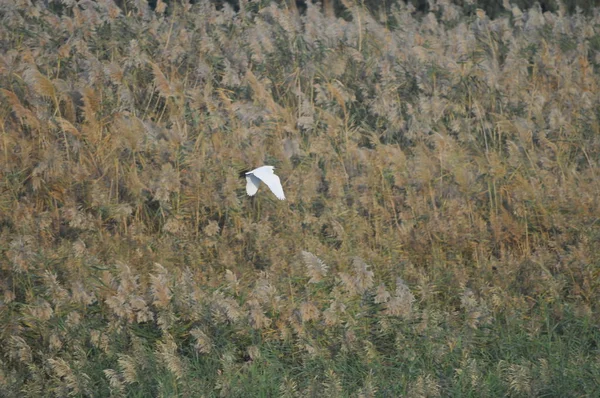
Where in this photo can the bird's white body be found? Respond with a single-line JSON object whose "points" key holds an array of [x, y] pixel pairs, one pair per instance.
{"points": [[264, 174]]}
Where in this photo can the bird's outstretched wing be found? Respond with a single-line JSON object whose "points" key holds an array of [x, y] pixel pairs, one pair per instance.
{"points": [[267, 176], [252, 184]]}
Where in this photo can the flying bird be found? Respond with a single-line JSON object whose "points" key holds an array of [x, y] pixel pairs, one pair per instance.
{"points": [[263, 174]]}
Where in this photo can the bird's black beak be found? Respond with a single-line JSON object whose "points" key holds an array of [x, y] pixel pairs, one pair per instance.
{"points": [[242, 173]]}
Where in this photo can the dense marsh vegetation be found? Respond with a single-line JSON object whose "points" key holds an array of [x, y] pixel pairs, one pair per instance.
{"points": [[440, 238]]}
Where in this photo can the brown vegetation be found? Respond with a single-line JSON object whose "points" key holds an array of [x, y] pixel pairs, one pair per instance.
{"points": [[442, 187]]}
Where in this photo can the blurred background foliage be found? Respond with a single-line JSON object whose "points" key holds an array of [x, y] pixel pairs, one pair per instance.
{"points": [[440, 234], [493, 8]]}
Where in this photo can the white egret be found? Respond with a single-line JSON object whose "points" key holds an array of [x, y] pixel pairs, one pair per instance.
{"points": [[266, 175]]}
